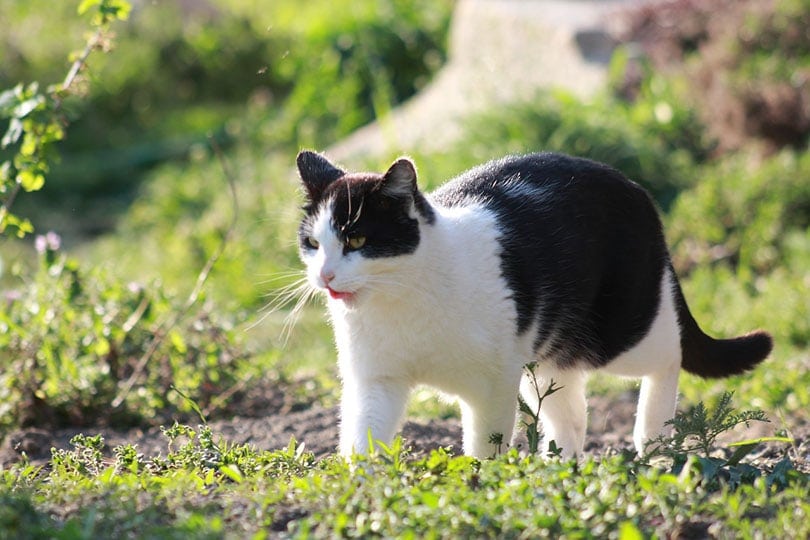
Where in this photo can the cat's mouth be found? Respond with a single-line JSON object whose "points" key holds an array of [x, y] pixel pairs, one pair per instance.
{"points": [[340, 295]]}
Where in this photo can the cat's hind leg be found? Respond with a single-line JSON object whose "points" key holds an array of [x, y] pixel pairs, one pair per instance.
{"points": [[656, 360], [656, 404], [563, 414]]}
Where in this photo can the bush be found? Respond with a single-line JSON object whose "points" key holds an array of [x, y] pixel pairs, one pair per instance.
{"points": [[746, 63], [183, 213], [70, 341], [741, 212]]}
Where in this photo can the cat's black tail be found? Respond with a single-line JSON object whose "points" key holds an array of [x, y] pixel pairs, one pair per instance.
{"points": [[706, 356]]}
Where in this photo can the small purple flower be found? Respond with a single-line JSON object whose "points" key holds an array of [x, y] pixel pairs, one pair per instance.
{"points": [[134, 287], [40, 243], [48, 242]]}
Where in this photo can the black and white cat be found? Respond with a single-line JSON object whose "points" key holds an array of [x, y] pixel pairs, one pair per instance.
{"points": [[540, 258]]}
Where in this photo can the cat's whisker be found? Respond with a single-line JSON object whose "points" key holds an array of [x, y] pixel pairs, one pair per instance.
{"points": [[290, 284], [295, 314], [299, 289], [291, 243], [281, 276], [285, 295], [286, 273], [283, 290]]}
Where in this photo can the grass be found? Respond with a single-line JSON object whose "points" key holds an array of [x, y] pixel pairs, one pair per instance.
{"points": [[202, 487]]}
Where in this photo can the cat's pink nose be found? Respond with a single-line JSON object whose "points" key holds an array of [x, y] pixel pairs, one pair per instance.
{"points": [[327, 276]]}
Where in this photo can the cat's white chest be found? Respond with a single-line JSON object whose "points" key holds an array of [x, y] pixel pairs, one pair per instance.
{"points": [[444, 314]]}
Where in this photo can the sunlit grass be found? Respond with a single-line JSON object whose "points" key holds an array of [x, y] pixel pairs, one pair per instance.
{"points": [[205, 487]]}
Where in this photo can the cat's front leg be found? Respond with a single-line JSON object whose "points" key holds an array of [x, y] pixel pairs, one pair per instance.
{"points": [[488, 414], [371, 409], [487, 427]]}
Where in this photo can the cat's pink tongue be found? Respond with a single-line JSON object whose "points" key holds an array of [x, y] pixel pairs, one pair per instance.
{"points": [[337, 295]]}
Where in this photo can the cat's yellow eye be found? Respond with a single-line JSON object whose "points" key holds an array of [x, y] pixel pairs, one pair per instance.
{"points": [[311, 242], [356, 242]]}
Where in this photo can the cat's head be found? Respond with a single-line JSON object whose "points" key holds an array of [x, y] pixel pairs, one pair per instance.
{"points": [[357, 226]]}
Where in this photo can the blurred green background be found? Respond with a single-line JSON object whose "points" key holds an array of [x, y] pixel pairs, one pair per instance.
{"points": [[711, 115], [271, 75]]}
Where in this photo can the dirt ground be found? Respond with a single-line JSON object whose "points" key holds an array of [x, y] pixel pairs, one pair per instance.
{"points": [[272, 422]]}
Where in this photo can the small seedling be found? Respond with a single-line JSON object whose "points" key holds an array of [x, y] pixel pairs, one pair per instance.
{"points": [[496, 439], [531, 418]]}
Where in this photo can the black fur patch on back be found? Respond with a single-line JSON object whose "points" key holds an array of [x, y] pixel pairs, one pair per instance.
{"points": [[583, 250]]}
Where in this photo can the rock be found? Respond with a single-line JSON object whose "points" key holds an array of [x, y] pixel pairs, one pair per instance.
{"points": [[500, 52]]}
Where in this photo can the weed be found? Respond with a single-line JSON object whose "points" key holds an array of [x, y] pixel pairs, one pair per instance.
{"points": [[697, 429], [85, 459], [694, 444], [531, 417], [496, 439], [72, 339]]}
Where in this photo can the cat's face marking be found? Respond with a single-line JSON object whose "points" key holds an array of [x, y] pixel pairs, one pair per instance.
{"points": [[322, 251], [356, 223]]}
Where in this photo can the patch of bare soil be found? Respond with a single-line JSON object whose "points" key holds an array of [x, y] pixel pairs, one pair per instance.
{"points": [[273, 421], [711, 42]]}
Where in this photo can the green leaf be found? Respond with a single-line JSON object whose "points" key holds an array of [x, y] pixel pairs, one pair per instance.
{"points": [[430, 499], [762, 440], [30, 181], [120, 9], [741, 451], [191, 403], [22, 226], [86, 5], [54, 132], [178, 342], [232, 471], [743, 448], [29, 145], [782, 474], [7, 99], [102, 347], [28, 106], [108, 10], [629, 531], [524, 407], [15, 129], [709, 467]]}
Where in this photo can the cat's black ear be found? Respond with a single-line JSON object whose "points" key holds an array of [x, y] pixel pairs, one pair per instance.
{"points": [[400, 179], [316, 173]]}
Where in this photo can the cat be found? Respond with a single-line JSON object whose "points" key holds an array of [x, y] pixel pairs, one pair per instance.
{"points": [[544, 259]]}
